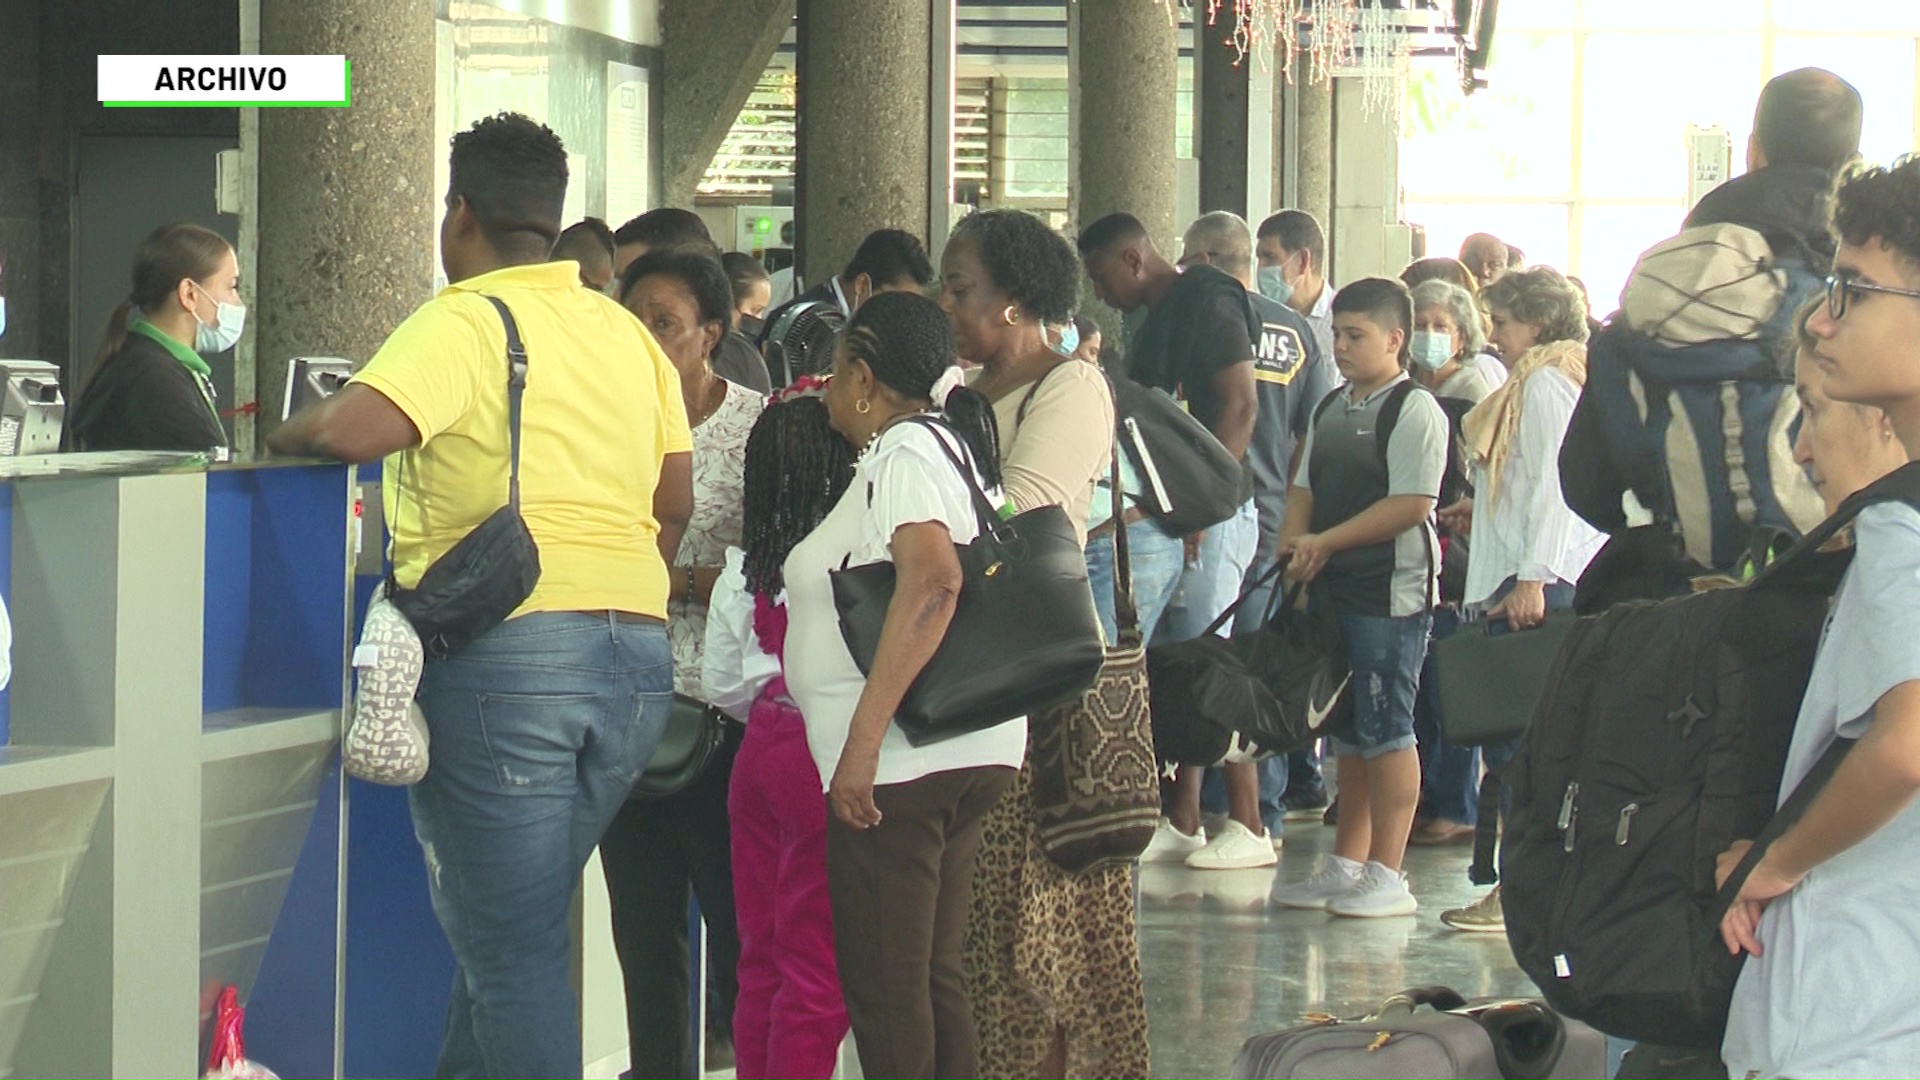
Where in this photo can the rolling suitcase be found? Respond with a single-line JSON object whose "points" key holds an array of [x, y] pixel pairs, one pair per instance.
{"points": [[1451, 1039]]}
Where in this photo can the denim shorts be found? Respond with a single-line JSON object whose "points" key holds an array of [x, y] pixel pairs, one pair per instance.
{"points": [[1386, 656]]}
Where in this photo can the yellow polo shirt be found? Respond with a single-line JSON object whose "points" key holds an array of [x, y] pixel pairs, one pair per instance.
{"points": [[602, 410]]}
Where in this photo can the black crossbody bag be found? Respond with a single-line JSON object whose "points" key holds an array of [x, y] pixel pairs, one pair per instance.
{"points": [[492, 570]]}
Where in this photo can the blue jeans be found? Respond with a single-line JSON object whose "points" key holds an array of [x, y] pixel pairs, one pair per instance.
{"points": [[539, 730], [1157, 560], [1212, 581], [1386, 656]]}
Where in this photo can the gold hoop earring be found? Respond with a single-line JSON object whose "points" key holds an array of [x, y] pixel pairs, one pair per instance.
{"points": [[1012, 315], [863, 406]]}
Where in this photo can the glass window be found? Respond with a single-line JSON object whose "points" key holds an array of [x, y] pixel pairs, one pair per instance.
{"points": [[1535, 14], [1611, 240], [1881, 68], [1540, 229], [1879, 15], [1633, 133], [1512, 138], [1721, 15]]}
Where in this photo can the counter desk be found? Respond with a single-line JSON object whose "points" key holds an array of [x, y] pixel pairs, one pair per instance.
{"points": [[173, 818]]}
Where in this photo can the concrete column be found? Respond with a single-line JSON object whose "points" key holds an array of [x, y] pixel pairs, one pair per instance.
{"points": [[1313, 140], [1125, 81], [1222, 86], [1366, 237], [346, 200], [862, 128], [20, 180], [707, 74]]}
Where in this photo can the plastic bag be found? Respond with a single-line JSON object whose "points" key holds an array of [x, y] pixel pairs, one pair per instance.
{"points": [[227, 1059]]}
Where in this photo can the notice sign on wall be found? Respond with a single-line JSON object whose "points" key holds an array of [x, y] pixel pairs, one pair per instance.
{"points": [[629, 163], [127, 81], [1709, 160]]}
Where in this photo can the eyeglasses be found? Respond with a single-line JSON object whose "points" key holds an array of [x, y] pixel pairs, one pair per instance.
{"points": [[1841, 288]]}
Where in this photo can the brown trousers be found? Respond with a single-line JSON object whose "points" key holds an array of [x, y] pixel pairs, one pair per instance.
{"points": [[902, 892]]}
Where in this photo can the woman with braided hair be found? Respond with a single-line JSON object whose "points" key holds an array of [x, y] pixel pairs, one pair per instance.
{"points": [[1053, 962], [790, 1017], [905, 824]]}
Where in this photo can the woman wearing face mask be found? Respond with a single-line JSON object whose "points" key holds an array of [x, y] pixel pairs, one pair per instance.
{"points": [[151, 387], [1446, 337], [1446, 333]]}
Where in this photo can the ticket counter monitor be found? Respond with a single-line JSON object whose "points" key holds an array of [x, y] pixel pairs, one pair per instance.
{"points": [[311, 379]]}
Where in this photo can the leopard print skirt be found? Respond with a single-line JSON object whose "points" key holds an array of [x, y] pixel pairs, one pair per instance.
{"points": [[1051, 955]]}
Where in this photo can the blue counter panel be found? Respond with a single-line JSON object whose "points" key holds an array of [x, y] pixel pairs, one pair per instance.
{"points": [[399, 968], [290, 1017], [275, 618]]}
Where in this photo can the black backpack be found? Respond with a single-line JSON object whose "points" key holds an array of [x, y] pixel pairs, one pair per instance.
{"points": [[1660, 741]]}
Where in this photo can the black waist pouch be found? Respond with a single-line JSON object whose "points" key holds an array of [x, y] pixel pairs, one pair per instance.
{"points": [[485, 577]]}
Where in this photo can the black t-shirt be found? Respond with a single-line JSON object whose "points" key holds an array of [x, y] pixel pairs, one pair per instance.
{"points": [[142, 398], [1203, 326]]}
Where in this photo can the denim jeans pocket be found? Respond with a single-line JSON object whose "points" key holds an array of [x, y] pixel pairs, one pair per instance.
{"points": [[635, 735], [533, 740]]}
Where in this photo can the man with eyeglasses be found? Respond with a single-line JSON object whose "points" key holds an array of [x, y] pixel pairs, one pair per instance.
{"points": [[1828, 914]]}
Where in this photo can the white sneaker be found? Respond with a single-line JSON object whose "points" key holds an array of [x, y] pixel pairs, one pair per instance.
{"points": [[1380, 893], [1334, 876], [1234, 847], [1171, 845]]}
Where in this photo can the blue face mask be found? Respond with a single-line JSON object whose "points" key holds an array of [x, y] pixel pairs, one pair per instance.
{"points": [[1069, 340], [1432, 349], [1274, 285], [3, 314]]}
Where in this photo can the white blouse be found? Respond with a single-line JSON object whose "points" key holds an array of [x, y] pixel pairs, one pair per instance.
{"points": [[733, 666], [719, 493], [903, 479], [1489, 366], [1528, 532]]}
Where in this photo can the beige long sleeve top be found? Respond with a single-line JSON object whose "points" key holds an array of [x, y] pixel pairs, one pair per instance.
{"points": [[1056, 439]]}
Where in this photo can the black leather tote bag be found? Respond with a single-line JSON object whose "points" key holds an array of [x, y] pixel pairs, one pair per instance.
{"points": [[1024, 634]]}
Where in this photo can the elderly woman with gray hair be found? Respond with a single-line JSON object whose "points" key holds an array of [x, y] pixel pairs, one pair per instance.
{"points": [[1448, 345], [1446, 336], [1528, 548]]}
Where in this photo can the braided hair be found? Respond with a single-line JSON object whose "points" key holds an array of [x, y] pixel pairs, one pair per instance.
{"points": [[797, 467], [908, 343]]}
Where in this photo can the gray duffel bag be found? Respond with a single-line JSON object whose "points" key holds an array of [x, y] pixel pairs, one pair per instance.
{"points": [[1450, 1038]]}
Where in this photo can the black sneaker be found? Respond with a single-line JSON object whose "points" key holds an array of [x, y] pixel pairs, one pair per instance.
{"points": [[1305, 802]]}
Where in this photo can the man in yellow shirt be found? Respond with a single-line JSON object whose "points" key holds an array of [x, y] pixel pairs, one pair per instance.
{"points": [[539, 727]]}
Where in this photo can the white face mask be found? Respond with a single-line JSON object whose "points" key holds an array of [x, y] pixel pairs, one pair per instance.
{"points": [[224, 332], [1432, 349], [3, 314], [1274, 284]]}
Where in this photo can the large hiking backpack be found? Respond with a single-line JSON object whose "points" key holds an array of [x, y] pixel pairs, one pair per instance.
{"points": [[1694, 378], [1710, 283], [1660, 741], [1702, 433]]}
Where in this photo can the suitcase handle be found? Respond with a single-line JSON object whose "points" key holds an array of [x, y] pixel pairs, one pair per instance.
{"points": [[1440, 998]]}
